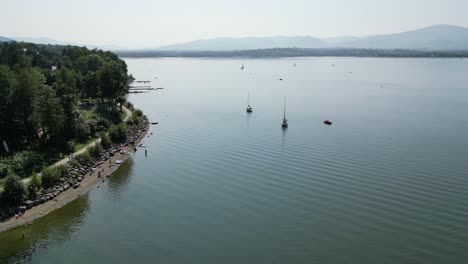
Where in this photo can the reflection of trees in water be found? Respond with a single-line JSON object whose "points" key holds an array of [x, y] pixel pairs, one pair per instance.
{"points": [[53, 228], [121, 177]]}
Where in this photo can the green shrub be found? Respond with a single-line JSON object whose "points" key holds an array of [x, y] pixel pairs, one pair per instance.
{"points": [[102, 124], [52, 175], [83, 158], [14, 190], [135, 118], [138, 112], [25, 162], [95, 150], [82, 130], [71, 145], [129, 105], [105, 141], [3, 169], [118, 133], [33, 186]]}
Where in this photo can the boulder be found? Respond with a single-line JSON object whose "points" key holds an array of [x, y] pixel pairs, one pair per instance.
{"points": [[22, 209], [28, 204], [76, 185]]}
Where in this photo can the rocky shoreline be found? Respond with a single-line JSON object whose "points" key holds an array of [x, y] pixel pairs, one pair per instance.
{"points": [[80, 178]]}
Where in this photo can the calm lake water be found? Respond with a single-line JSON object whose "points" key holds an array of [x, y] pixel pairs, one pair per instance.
{"points": [[386, 183]]}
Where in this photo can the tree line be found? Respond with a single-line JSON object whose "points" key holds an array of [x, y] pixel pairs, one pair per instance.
{"points": [[52, 96], [41, 87]]}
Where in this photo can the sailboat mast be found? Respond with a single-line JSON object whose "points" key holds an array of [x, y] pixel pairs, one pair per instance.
{"points": [[284, 110], [248, 97]]}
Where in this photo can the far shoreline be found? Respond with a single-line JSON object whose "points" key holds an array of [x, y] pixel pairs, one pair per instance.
{"points": [[294, 53]]}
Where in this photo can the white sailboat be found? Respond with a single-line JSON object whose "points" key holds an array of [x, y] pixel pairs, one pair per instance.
{"points": [[249, 108], [284, 123]]}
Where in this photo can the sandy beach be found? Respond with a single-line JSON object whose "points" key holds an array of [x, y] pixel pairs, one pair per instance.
{"points": [[88, 182]]}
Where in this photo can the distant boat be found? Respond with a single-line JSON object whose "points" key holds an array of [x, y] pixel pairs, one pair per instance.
{"points": [[294, 65], [327, 122], [284, 123], [280, 79], [242, 67], [249, 108]]}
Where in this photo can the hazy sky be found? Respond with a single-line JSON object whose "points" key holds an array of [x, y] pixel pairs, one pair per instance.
{"points": [[150, 23]]}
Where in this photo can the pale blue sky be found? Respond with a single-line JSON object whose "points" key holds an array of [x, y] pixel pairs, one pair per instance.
{"points": [[150, 23]]}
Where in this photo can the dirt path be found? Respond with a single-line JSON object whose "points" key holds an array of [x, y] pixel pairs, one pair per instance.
{"points": [[80, 151]]}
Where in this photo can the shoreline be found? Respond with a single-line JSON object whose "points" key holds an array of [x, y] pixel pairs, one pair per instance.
{"points": [[89, 181]]}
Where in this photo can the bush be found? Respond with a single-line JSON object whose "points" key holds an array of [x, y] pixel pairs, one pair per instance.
{"points": [[95, 150], [129, 105], [136, 118], [25, 162], [14, 191], [118, 133], [102, 124], [70, 146], [52, 175], [33, 186], [3, 169], [83, 159], [105, 141], [82, 130], [138, 112]]}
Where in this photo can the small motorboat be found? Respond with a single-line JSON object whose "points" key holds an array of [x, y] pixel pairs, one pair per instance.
{"points": [[327, 122], [118, 161], [142, 145], [154, 123]]}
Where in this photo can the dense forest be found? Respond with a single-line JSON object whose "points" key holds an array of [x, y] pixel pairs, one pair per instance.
{"points": [[54, 98]]}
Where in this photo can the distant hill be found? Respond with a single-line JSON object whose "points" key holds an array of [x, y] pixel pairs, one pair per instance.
{"points": [[45, 41], [438, 37], [3, 39], [219, 44]]}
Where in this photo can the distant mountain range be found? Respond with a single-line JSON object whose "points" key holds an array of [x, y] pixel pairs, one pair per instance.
{"points": [[249, 43], [438, 37]]}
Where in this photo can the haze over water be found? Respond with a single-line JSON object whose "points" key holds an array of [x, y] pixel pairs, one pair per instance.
{"points": [[386, 183]]}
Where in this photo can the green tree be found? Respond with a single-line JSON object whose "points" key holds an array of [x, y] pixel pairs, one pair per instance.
{"points": [[49, 112], [7, 82], [14, 190], [113, 82], [23, 97]]}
